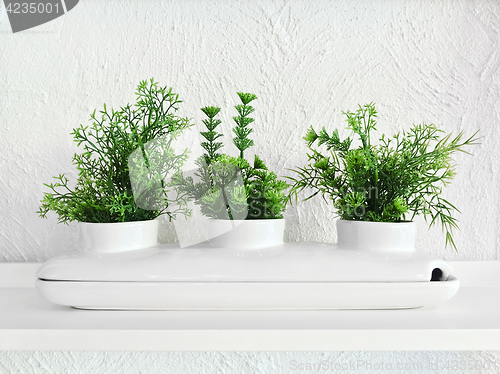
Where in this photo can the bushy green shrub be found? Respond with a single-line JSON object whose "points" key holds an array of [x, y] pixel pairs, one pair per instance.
{"points": [[397, 179], [104, 190]]}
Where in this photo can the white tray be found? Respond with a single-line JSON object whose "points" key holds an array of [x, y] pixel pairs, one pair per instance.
{"points": [[292, 276], [246, 295]]}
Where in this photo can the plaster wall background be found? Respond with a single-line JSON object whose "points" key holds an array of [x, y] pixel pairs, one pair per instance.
{"points": [[248, 362], [419, 61]]}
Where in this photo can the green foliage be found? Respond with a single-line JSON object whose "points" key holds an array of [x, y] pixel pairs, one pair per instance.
{"points": [[241, 141], [402, 176], [117, 139], [211, 146], [230, 187]]}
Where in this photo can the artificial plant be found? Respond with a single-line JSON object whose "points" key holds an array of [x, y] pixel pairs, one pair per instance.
{"points": [[133, 137], [228, 187], [399, 178]]}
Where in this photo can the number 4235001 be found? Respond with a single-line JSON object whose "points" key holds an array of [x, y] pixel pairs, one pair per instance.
{"points": [[33, 8]]}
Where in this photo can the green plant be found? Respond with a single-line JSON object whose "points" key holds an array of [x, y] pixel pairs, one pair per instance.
{"points": [[137, 138], [231, 187], [400, 176]]}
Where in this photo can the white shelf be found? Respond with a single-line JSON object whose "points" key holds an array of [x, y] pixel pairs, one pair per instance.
{"points": [[469, 321]]}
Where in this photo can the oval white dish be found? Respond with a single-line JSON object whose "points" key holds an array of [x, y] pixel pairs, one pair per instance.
{"points": [[290, 276]]}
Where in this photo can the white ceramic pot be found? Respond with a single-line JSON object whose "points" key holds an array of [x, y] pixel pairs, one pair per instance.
{"points": [[246, 234], [377, 236], [118, 237]]}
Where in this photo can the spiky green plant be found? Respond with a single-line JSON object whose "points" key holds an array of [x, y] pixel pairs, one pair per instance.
{"points": [[231, 187], [104, 188], [397, 179], [242, 129], [210, 145]]}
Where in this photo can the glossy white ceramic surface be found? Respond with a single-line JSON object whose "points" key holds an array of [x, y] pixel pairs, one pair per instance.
{"points": [[246, 295], [290, 262], [246, 234], [289, 276], [117, 237], [377, 236]]}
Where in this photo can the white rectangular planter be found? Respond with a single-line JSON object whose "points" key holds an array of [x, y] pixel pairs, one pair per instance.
{"points": [[292, 276]]}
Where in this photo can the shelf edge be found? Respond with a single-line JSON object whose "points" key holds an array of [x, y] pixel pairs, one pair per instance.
{"points": [[248, 340]]}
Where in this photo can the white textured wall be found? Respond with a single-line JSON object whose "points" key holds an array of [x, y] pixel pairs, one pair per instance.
{"points": [[420, 61], [248, 362]]}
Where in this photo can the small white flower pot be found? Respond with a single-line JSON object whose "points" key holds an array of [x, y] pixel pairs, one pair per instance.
{"points": [[118, 237], [246, 234], [377, 236]]}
